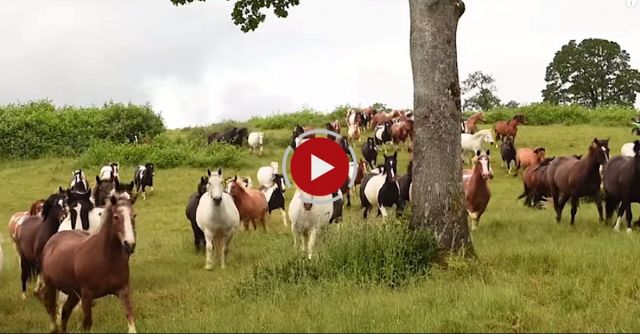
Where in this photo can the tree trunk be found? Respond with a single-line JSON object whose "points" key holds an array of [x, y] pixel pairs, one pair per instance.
{"points": [[438, 197]]}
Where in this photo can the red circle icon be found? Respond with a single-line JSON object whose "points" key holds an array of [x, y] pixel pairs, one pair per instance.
{"points": [[319, 167]]}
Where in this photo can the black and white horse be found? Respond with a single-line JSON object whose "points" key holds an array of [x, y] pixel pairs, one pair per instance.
{"points": [[190, 211], [382, 134], [370, 152], [110, 172], [381, 190], [79, 182], [143, 177], [275, 196]]}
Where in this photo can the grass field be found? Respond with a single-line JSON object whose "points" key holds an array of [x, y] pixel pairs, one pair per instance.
{"points": [[533, 274]]}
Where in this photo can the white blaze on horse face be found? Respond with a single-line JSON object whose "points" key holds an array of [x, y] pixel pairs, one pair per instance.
{"points": [[606, 154], [486, 170], [128, 235]]}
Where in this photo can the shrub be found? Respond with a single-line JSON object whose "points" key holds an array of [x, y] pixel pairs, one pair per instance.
{"points": [[165, 153], [38, 128], [388, 254], [305, 116]]}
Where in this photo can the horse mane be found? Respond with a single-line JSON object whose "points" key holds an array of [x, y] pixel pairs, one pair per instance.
{"points": [[34, 207], [48, 205]]}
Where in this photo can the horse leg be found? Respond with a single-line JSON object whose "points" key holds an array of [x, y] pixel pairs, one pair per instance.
{"points": [[74, 217], [263, 223], [209, 250], [49, 300], [84, 219], [295, 235], [383, 210], [125, 299], [312, 242], [144, 193], [283, 213], [609, 207], [253, 222], [620, 210], [67, 309], [25, 273], [559, 202], [598, 201], [575, 200], [87, 305], [627, 207], [348, 199]]}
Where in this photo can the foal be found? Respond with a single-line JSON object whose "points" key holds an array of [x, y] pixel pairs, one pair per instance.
{"points": [[252, 204], [89, 266]]}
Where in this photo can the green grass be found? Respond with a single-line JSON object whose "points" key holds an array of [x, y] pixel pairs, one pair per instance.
{"points": [[533, 274]]}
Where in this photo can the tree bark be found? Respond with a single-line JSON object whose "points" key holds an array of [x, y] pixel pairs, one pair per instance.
{"points": [[438, 197]]}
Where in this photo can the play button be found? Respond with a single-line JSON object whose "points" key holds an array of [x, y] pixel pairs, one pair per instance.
{"points": [[319, 166]]}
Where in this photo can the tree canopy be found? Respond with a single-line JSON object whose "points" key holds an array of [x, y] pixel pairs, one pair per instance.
{"points": [[482, 87], [248, 14], [593, 73]]}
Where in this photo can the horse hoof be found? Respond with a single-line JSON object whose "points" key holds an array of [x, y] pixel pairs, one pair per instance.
{"points": [[208, 267], [23, 296], [629, 231]]}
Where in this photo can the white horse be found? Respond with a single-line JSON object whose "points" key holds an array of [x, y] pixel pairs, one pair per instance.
{"points": [[255, 141], [307, 219], [267, 174], [473, 142], [218, 217], [627, 150]]}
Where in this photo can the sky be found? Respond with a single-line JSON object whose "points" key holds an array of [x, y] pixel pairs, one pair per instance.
{"points": [[195, 67]]}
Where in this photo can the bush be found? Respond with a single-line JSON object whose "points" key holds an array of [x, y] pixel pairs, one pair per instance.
{"points": [[545, 114], [165, 153], [306, 116], [388, 254], [38, 128]]}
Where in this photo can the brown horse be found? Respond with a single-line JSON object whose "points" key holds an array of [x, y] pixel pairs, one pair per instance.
{"points": [[252, 204], [471, 126], [368, 113], [503, 128], [34, 232], [383, 117], [399, 132], [527, 157], [572, 178], [476, 191], [89, 266], [536, 187]]}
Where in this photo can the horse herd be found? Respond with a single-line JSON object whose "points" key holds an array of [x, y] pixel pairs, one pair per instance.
{"points": [[78, 241]]}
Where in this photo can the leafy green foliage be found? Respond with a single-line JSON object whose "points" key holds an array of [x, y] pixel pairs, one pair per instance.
{"points": [[482, 88], [38, 128], [306, 116], [165, 153], [593, 73], [248, 13], [388, 254]]}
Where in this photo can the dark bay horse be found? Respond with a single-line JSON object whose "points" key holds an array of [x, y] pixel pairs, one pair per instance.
{"points": [[571, 178], [89, 266], [35, 231], [536, 187], [190, 212], [503, 128], [622, 185]]}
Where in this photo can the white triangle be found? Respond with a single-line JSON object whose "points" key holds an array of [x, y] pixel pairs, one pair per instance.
{"points": [[319, 167]]}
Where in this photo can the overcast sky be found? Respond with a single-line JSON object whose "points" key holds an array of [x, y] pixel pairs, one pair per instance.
{"points": [[195, 67]]}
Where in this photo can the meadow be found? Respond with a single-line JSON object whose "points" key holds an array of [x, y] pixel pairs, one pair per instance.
{"points": [[532, 274]]}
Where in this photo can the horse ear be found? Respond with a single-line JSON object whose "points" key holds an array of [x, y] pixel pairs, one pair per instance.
{"points": [[98, 179], [208, 172], [487, 152], [235, 178], [477, 153], [60, 191], [219, 171], [113, 200]]}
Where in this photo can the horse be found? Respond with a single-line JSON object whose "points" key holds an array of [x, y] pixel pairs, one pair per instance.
{"points": [[104, 189], [621, 183], [370, 152], [503, 128], [218, 217], [33, 233], [266, 175], [404, 183], [536, 187], [476, 191], [508, 153], [381, 190], [17, 218], [368, 114], [246, 181], [79, 205], [354, 133], [526, 157], [360, 171], [627, 150], [275, 196], [190, 212], [79, 182], [473, 142], [110, 172], [255, 141], [383, 117], [336, 215], [399, 132], [252, 204], [572, 178], [470, 124], [297, 131], [308, 218], [143, 177], [233, 136], [355, 118], [88, 266], [382, 134]]}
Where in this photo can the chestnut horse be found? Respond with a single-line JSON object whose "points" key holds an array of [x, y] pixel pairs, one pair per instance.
{"points": [[470, 126], [89, 266], [251, 204], [536, 187], [33, 234], [527, 157], [383, 117], [476, 191], [503, 128], [572, 178]]}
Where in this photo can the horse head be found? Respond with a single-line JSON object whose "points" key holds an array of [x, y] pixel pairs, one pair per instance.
{"points": [[123, 222], [202, 186], [36, 207], [124, 189], [214, 186], [390, 167], [151, 168], [484, 161], [600, 147], [56, 207]]}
